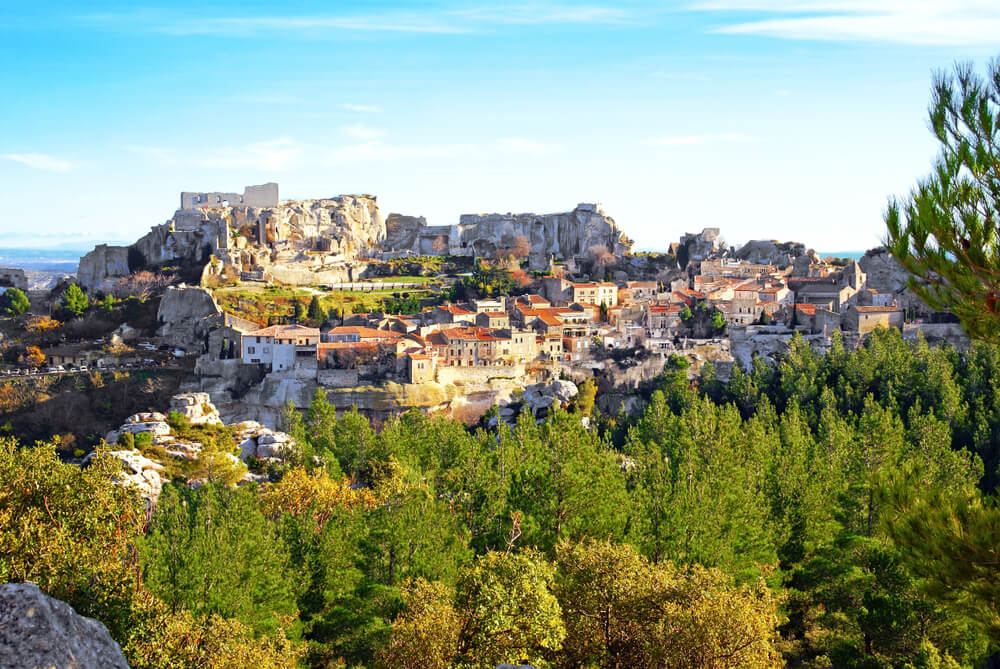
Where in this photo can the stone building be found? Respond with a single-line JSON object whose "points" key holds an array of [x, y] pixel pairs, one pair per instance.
{"points": [[863, 320], [280, 347]]}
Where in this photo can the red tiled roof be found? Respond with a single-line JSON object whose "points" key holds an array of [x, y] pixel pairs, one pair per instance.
{"points": [[293, 330]]}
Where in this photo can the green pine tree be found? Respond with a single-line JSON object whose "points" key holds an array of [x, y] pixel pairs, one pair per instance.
{"points": [[73, 301]]}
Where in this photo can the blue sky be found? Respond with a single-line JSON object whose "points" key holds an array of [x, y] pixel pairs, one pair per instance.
{"points": [[788, 119]]}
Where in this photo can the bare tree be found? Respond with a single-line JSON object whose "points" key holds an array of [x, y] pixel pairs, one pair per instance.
{"points": [[600, 255], [141, 284]]}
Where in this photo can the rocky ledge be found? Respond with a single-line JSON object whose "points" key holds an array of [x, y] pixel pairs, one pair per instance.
{"points": [[39, 631]]}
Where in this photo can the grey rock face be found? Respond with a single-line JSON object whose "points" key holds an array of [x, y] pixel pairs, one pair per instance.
{"points": [[39, 631], [186, 314], [770, 252], [575, 233], [100, 268]]}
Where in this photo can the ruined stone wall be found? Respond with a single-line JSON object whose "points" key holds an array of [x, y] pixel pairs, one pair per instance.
{"points": [[265, 195], [13, 277]]}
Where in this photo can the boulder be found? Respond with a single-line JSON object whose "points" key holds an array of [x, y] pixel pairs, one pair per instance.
{"points": [[140, 472], [541, 396], [156, 428], [196, 407], [39, 631]]}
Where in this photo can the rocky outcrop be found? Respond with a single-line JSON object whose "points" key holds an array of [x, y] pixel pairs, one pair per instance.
{"points": [[39, 631], [402, 233], [540, 397], [307, 236], [186, 315], [99, 269], [147, 475], [771, 252], [886, 275], [197, 408], [140, 473], [583, 232]]}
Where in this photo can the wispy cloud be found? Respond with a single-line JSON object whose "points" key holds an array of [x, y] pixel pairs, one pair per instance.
{"points": [[276, 154], [524, 146], [364, 109], [381, 151], [362, 131], [695, 140], [39, 161], [928, 22], [440, 22]]}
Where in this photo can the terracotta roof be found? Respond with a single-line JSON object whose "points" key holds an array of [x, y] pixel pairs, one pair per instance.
{"points": [[455, 309], [364, 332], [807, 308], [293, 330], [496, 314], [549, 319]]}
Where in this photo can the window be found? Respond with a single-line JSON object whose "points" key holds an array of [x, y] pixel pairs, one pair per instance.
{"points": [[251, 350], [267, 349]]}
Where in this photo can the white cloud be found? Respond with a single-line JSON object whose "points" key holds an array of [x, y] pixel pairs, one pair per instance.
{"points": [[376, 150], [440, 22], [695, 140], [276, 154], [365, 109], [525, 146], [362, 131], [39, 161], [932, 22]]}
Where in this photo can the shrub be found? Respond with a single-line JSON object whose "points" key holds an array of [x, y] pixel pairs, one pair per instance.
{"points": [[178, 421]]}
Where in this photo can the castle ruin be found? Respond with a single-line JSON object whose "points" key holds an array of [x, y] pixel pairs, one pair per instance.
{"points": [[264, 195]]}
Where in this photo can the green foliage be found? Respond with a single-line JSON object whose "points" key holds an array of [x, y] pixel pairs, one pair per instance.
{"points": [[839, 487], [316, 313], [511, 613], [73, 301], [686, 314], [73, 532], [210, 551], [719, 322], [298, 311], [946, 232], [14, 302]]}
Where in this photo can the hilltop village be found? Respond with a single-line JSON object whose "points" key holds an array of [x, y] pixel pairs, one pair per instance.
{"points": [[260, 302]]}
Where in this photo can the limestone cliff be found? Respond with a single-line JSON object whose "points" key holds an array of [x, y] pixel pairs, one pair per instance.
{"points": [[402, 233], [576, 233], [886, 275], [296, 241], [329, 240], [570, 234], [770, 252]]}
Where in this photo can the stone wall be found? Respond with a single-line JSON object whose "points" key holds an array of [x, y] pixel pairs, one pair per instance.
{"points": [[478, 375], [13, 277], [938, 333], [265, 195], [337, 378]]}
